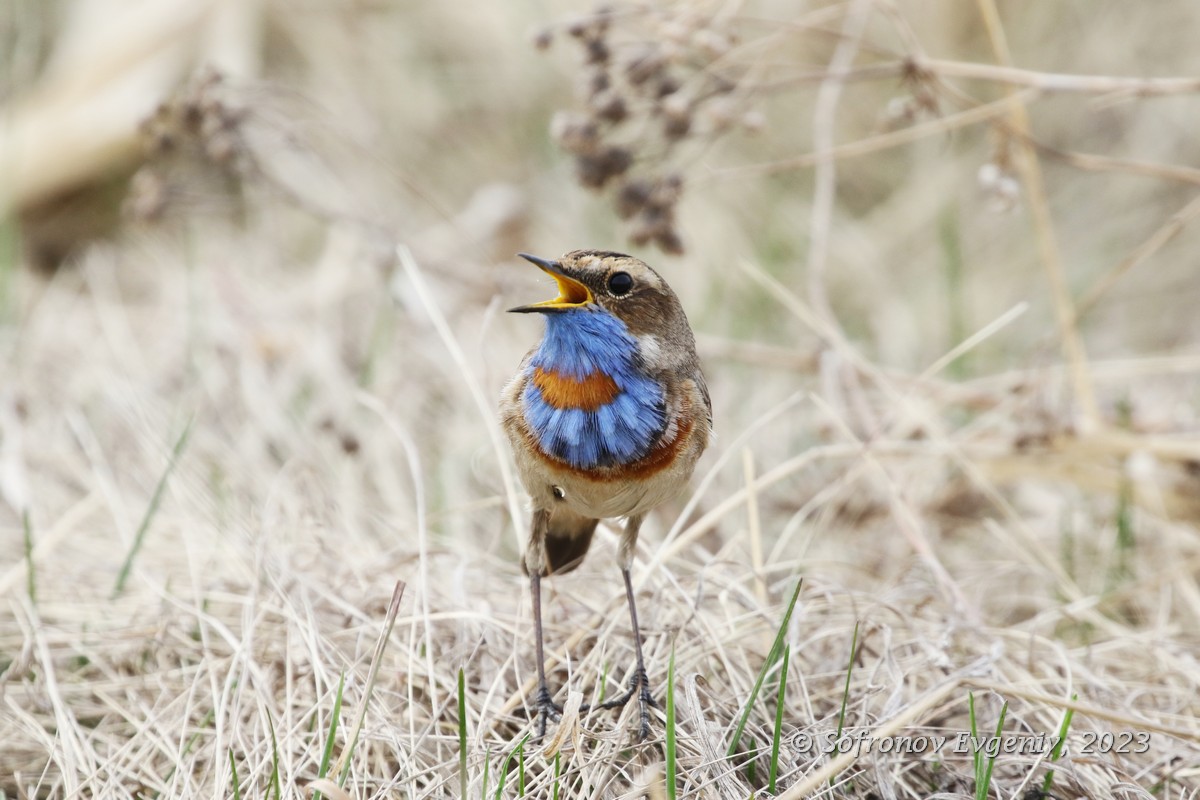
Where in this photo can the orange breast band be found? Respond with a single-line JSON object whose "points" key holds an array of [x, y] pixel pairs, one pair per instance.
{"points": [[561, 391]]}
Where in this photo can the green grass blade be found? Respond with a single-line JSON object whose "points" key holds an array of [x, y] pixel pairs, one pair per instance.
{"points": [[975, 753], [237, 789], [1056, 752], [672, 762], [487, 763], [776, 649], [462, 735], [331, 738], [982, 763], [521, 769], [777, 734], [504, 766], [991, 763], [846, 689], [841, 726], [152, 509], [557, 774]]}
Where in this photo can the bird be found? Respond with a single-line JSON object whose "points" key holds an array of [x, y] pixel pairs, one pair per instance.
{"points": [[607, 416]]}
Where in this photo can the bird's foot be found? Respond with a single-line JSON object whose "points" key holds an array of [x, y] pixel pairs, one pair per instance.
{"points": [[639, 686], [547, 710]]}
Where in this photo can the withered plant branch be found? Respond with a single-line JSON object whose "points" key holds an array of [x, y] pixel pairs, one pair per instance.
{"points": [[883, 141], [1085, 161], [340, 767], [1054, 81], [1047, 242], [1097, 163], [1048, 82]]}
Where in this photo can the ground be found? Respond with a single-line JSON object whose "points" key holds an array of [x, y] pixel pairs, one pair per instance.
{"points": [[263, 531]]}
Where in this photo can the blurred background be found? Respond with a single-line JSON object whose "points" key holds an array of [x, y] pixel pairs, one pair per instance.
{"points": [[202, 199], [941, 267]]}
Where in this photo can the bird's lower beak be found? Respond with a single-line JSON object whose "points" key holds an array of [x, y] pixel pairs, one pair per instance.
{"points": [[571, 293]]}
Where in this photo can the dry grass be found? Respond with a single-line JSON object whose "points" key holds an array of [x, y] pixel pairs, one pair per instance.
{"points": [[972, 432]]}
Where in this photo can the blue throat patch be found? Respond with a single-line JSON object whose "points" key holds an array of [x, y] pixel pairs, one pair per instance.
{"points": [[579, 343]]}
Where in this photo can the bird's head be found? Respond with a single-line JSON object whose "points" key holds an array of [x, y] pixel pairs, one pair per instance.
{"points": [[592, 281]]}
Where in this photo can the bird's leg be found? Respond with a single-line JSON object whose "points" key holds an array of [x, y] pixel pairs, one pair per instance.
{"points": [[535, 562], [640, 683]]}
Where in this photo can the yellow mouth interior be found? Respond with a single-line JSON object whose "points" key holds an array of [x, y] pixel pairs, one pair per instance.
{"points": [[571, 293]]}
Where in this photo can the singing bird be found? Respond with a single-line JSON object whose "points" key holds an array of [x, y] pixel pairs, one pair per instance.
{"points": [[607, 416]]}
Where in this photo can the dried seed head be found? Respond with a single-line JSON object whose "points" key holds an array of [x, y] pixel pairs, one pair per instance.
{"points": [[666, 86], [574, 133], [632, 197], [161, 143], [597, 51], [191, 114], [677, 117], [640, 235], [666, 191], [644, 65], [609, 106], [590, 172], [594, 171], [649, 225], [598, 81], [676, 128], [581, 27], [638, 72], [669, 241]]}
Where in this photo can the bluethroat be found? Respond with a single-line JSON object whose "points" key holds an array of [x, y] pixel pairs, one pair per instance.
{"points": [[607, 416]]}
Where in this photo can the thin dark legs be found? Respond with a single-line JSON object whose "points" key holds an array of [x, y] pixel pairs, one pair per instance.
{"points": [[640, 683], [535, 563], [546, 706]]}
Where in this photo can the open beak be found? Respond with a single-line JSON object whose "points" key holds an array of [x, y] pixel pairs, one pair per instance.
{"points": [[571, 293]]}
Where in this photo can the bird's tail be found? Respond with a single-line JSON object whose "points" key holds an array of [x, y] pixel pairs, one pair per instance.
{"points": [[567, 540]]}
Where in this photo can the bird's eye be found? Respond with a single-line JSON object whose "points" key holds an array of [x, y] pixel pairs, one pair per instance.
{"points": [[620, 283]]}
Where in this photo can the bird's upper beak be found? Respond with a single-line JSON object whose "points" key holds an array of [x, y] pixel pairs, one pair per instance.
{"points": [[571, 293]]}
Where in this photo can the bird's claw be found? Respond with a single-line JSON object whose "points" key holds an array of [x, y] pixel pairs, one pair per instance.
{"points": [[547, 710], [640, 686], [645, 702]]}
